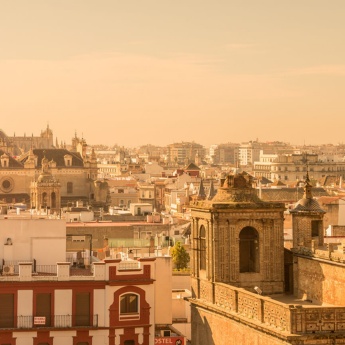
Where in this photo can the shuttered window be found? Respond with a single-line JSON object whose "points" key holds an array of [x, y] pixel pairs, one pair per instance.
{"points": [[6, 310], [43, 307], [82, 316]]}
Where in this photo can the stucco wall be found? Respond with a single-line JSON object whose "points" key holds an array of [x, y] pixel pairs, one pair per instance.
{"points": [[162, 297], [40, 239]]}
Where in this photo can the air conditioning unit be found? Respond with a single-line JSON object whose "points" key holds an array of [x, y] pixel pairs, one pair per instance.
{"points": [[165, 333], [7, 270]]}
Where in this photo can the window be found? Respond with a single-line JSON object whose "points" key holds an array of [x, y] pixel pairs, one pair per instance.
{"points": [[6, 310], [44, 199], [315, 228], [43, 307], [249, 250], [202, 257], [129, 303], [82, 317], [53, 198], [69, 187], [121, 191]]}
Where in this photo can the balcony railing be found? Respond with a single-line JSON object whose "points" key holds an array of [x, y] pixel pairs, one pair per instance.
{"points": [[53, 321]]}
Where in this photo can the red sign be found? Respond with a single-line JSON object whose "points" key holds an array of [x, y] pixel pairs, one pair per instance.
{"points": [[170, 340]]}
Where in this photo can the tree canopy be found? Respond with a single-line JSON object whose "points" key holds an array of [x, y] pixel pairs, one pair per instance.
{"points": [[180, 256]]}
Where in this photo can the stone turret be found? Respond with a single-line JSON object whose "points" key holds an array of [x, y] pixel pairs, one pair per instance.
{"points": [[307, 219]]}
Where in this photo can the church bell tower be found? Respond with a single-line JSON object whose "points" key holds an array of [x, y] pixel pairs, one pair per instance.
{"points": [[237, 239]]}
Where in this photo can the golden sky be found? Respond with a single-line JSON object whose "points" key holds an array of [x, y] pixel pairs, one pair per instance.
{"points": [[156, 71]]}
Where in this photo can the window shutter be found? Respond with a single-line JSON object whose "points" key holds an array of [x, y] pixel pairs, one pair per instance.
{"points": [[83, 309], [43, 306], [6, 310]]}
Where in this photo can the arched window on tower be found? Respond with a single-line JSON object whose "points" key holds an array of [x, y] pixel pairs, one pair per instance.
{"points": [[249, 250], [202, 252]]}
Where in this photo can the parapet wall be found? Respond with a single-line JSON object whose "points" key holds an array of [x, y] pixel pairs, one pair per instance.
{"points": [[269, 312]]}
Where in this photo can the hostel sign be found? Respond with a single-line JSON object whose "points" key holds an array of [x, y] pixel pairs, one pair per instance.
{"points": [[169, 340]]}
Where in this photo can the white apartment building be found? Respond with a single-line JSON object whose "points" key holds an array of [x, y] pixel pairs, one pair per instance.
{"points": [[44, 300], [293, 167], [248, 153]]}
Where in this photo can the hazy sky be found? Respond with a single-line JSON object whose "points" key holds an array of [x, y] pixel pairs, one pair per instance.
{"points": [[155, 71]]}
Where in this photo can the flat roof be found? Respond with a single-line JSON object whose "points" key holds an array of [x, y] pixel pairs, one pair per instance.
{"points": [[290, 299], [107, 224]]}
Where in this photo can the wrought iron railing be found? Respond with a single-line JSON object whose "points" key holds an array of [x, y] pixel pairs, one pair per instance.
{"points": [[54, 321]]}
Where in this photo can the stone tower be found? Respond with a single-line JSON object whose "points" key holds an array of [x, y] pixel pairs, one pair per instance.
{"points": [[45, 192], [237, 239], [307, 220]]}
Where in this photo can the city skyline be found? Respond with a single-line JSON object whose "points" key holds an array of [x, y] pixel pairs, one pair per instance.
{"points": [[157, 72]]}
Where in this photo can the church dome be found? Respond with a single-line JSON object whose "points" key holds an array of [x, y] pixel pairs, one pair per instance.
{"points": [[3, 136], [46, 178], [306, 204]]}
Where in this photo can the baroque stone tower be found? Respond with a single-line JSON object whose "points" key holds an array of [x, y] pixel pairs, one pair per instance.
{"points": [[45, 192], [237, 240]]}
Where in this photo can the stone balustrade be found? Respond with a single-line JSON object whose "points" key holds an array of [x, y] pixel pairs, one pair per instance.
{"points": [[269, 311]]}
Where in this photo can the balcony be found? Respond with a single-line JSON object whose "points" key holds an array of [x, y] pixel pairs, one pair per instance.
{"points": [[53, 321]]}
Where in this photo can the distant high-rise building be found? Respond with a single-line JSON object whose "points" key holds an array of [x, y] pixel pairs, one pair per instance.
{"points": [[225, 154], [185, 152]]}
